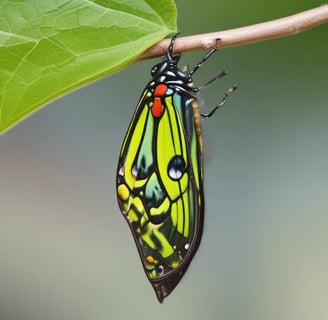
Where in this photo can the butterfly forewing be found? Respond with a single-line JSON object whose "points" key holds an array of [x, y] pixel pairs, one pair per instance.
{"points": [[159, 177]]}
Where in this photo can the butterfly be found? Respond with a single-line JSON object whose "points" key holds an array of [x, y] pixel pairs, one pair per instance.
{"points": [[160, 172]]}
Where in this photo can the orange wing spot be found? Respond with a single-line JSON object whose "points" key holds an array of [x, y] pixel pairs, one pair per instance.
{"points": [[150, 260], [157, 108], [160, 90]]}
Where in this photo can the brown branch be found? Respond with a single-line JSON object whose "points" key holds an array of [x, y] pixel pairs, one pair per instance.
{"points": [[258, 32]]}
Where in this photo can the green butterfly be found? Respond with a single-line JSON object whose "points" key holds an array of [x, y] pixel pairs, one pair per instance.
{"points": [[160, 172]]}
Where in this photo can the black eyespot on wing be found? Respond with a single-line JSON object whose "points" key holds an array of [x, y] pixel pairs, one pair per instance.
{"points": [[176, 168]]}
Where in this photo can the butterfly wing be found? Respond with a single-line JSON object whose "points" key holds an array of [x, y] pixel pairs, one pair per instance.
{"points": [[159, 184]]}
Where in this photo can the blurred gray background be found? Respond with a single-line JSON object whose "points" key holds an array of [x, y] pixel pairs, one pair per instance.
{"points": [[66, 252]]}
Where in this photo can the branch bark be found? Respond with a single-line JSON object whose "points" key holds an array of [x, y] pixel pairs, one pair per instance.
{"points": [[278, 28]]}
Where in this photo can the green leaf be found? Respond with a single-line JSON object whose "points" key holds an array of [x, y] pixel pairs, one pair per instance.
{"points": [[48, 48]]}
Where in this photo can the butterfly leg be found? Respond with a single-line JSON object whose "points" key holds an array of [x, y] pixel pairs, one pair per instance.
{"points": [[207, 55], [220, 75], [221, 103], [169, 53]]}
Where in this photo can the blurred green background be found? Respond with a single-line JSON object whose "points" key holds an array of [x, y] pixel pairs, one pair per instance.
{"points": [[66, 252]]}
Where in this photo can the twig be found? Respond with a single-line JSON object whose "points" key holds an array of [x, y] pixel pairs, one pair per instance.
{"points": [[258, 32]]}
